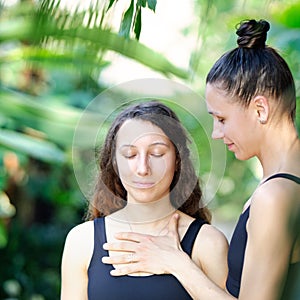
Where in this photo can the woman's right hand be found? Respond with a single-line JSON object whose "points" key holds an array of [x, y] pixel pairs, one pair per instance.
{"points": [[146, 253]]}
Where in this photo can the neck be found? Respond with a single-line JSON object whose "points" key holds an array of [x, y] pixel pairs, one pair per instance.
{"points": [[142, 213], [280, 151]]}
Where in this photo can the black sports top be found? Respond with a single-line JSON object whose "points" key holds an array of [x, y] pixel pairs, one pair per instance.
{"points": [[238, 243], [101, 285]]}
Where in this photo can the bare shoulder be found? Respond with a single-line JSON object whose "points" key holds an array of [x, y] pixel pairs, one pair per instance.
{"points": [[278, 195], [211, 237], [208, 234], [210, 243], [81, 230], [80, 240], [275, 207]]}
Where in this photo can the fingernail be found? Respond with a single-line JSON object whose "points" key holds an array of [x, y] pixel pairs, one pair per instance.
{"points": [[105, 246]]}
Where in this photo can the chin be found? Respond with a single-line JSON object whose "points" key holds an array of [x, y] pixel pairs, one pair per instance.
{"points": [[242, 157]]}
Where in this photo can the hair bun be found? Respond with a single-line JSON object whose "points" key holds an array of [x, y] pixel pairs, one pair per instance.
{"points": [[252, 34]]}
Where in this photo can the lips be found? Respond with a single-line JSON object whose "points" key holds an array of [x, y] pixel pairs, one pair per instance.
{"points": [[143, 185], [230, 146]]}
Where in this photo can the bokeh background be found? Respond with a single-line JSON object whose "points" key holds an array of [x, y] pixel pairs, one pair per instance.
{"points": [[55, 58]]}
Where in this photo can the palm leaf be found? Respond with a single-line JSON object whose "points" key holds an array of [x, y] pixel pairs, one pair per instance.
{"points": [[34, 147], [66, 31]]}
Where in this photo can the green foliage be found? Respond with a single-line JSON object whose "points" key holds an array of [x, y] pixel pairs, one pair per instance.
{"points": [[132, 18], [152, 4], [50, 62], [34, 147], [288, 14], [111, 2], [138, 22], [127, 21], [3, 235]]}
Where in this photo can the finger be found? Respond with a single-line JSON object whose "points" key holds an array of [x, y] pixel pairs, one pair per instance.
{"points": [[132, 268], [120, 259], [120, 246], [130, 236]]}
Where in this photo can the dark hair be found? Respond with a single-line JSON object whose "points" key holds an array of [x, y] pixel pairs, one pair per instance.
{"points": [[185, 192], [254, 68]]}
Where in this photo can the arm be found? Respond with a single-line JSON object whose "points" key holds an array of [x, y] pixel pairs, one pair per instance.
{"points": [[212, 248], [198, 285], [76, 255], [270, 242], [272, 229]]}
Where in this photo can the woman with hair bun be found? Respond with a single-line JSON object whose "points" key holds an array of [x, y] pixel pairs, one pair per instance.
{"points": [[250, 94]]}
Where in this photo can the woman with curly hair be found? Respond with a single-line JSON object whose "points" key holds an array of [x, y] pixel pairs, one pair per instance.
{"points": [[145, 176]]}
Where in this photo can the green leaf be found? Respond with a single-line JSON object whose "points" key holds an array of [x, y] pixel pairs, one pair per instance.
{"points": [[3, 236], [50, 58], [152, 4], [56, 122], [37, 148], [127, 21], [111, 2], [106, 39], [142, 3], [138, 23]]}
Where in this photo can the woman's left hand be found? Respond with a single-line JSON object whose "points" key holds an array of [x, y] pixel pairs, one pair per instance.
{"points": [[146, 253]]}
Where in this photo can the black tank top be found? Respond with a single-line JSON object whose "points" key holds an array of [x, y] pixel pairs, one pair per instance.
{"points": [[238, 243], [103, 286]]}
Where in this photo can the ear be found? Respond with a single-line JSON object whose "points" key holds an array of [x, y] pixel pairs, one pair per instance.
{"points": [[262, 109]]}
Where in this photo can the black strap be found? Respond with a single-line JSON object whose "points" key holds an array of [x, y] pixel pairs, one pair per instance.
{"points": [[99, 235], [285, 175], [188, 240]]}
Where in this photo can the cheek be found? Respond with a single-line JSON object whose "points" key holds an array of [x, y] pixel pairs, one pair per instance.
{"points": [[234, 128], [125, 167], [159, 166], [165, 168]]}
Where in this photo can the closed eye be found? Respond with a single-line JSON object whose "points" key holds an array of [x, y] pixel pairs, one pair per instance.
{"points": [[129, 156], [221, 120], [216, 116], [157, 154]]}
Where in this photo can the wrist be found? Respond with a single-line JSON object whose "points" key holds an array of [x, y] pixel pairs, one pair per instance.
{"points": [[180, 264]]}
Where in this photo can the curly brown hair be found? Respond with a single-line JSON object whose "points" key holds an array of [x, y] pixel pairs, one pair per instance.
{"points": [[185, 192]]}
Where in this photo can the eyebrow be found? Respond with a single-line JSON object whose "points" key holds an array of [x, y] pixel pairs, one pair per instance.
{"points": [[215, 113], [151, 145]]}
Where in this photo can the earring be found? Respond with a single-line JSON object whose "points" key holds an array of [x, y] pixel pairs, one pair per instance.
{"points": [[261, 121]]}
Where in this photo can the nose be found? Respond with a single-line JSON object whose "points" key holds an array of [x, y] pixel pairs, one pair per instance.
{"points": [[217, 132], [143, 165]]}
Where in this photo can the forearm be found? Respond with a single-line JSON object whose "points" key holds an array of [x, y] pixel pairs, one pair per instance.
{"points": [[197, 284]]}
